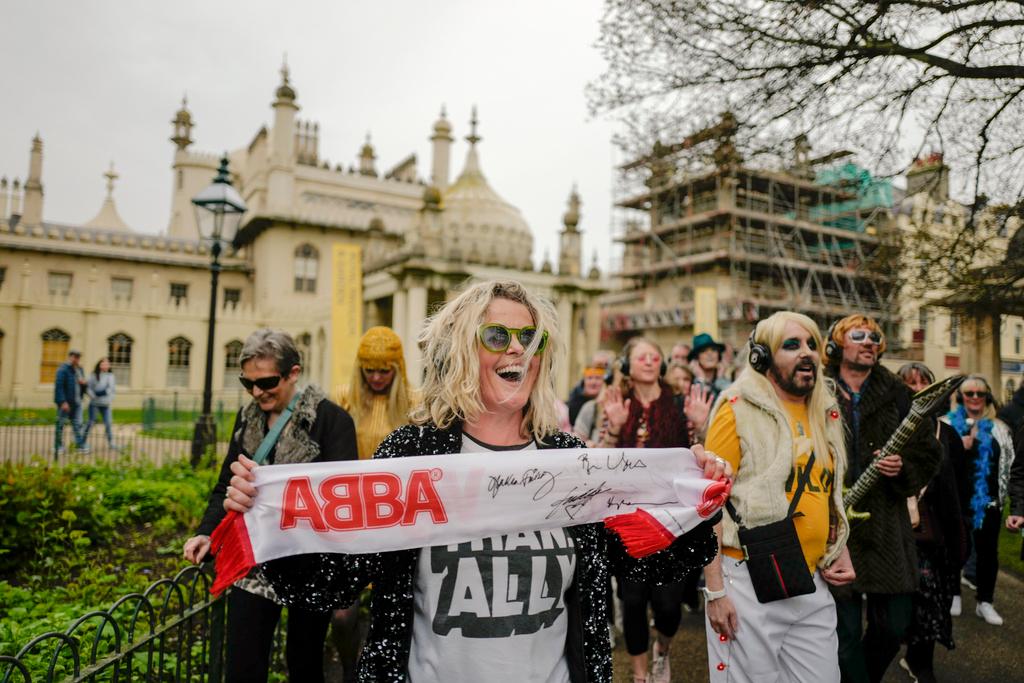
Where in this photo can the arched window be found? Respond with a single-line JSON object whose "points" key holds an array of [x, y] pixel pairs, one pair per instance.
{"points": [[119, 351], [55, 352], [307, 263], [232, 352], [179, 350], [303, 342]]}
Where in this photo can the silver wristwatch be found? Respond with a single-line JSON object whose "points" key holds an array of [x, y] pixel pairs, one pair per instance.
{"points": [[710, 595]]}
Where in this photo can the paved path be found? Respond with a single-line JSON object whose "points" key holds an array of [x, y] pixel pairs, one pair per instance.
{"points": [[983, 654]]}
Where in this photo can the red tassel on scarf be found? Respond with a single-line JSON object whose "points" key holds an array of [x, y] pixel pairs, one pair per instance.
{"points": [[641, 533], [230, 545]]}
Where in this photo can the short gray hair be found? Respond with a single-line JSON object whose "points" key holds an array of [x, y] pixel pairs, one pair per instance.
{"points": [[274, 344]]}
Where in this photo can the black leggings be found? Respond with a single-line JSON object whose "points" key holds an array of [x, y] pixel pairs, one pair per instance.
{"points": [[250, 639], [986, 548], [666, 604]]}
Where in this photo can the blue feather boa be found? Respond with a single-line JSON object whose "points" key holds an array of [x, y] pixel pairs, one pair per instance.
{"points": [[983, 440]]}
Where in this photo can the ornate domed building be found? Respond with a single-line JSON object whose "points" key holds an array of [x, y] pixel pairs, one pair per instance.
{"points": [[324, 251]]}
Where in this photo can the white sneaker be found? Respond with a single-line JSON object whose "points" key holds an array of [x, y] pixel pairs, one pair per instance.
{"points": [[964, 581], [955, 608], [986, 611], [661, 670]]}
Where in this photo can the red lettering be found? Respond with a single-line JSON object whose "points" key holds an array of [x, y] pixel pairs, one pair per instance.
{"points": [[381, 491], [422, 497], [335, 502], [300, 503]]}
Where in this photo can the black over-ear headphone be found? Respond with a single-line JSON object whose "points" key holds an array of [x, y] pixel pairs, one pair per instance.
{"points": [[760, 356], [989, 400], [833, 351]]}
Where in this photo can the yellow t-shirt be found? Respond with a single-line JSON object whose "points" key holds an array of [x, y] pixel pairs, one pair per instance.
{"points": [[813, 525]]}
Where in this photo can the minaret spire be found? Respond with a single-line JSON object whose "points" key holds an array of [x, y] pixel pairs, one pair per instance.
{"points": [[472, 138], [111, 176]]}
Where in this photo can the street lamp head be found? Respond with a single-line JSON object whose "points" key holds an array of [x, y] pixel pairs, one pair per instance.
{"points": [[219, 207]]}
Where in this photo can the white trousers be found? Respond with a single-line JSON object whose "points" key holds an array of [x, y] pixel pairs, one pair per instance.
{"points": [[786, 641]]}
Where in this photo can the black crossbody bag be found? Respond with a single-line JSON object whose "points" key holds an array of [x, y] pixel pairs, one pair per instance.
{"points": [[773, 553]]}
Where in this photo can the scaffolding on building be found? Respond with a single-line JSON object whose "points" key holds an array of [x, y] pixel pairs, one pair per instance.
{"points": [[806, 239]]}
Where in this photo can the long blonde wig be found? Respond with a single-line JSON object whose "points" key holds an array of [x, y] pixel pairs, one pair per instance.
{"points": [[822, 400], [451, 381], [379, 347]]}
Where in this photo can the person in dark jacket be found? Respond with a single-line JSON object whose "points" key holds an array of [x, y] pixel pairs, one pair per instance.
{"points": [[317, 431], [427, 622], [874, 401], [1012, 413], [941, 543], [67, 394], [590, 386]]}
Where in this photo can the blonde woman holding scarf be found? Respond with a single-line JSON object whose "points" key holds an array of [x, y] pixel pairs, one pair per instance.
{"points": [[521, 606]]}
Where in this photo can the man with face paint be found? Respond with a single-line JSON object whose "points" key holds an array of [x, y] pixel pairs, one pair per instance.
{"points": [[778, 425], [874, 401]]}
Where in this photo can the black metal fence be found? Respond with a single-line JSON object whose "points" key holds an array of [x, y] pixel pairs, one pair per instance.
{"points": [[22, 444], [173, 631]]}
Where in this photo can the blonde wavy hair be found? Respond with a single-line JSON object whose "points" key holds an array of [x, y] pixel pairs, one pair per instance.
{"points": [[772, 332], [451, 381]]}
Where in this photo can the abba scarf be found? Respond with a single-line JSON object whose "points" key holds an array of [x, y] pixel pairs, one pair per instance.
{"points": [[648, 496]]}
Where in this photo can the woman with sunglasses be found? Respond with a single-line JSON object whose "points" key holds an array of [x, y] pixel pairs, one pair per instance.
{"points": [[645, 413], [524, 606], [988, 451], [316, 430]]}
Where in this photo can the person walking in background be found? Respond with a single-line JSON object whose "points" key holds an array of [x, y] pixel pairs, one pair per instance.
{"points": [[779, 427], [941, 544], [644, 413], [989, 454], [379, 401], [378, 398], [705, 359], [873, 402], [1013, 412], [590, 385], [679, 376], [314, 430], [101, 388], [67, 394], [680, 353]]}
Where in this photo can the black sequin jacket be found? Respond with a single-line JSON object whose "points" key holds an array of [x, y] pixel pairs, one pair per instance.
{"points": [[337, 580]]}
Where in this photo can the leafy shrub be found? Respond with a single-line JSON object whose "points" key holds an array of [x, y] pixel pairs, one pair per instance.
{"points": [[52, 515]]}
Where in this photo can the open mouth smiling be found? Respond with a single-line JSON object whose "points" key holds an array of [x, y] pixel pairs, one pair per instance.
{"points": [[512, 374]]}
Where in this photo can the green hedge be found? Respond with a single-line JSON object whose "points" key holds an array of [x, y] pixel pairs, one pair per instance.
{"points": [[77, 538]]}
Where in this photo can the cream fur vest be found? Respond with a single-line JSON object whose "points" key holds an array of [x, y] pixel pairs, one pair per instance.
{"points": [[766, 445]]}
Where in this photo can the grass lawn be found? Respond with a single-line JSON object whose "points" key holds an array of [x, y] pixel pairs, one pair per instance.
{"points": [[1009, 552]]}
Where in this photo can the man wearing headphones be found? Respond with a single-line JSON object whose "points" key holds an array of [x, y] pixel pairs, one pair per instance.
{"points": [[780, 428], [874, 401]]}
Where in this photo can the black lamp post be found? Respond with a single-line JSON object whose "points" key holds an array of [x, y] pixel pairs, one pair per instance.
{"points": [[219, 210]]}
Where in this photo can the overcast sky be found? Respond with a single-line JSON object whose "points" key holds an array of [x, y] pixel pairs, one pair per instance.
{"points": [[101, 81]]}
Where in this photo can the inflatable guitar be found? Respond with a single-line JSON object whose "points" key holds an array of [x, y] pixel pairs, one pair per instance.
{"points": [[924, 402]]}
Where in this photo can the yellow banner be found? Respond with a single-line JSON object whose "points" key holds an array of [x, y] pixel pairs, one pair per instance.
{"points": [[705, 311], [346, 311]]}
